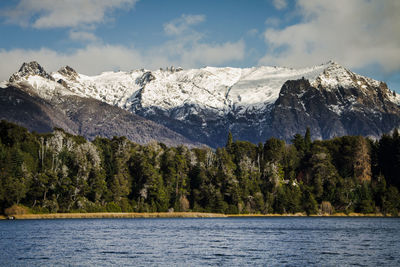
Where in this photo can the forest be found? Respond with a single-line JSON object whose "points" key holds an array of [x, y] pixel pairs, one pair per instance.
{"points": [[59, 172]]}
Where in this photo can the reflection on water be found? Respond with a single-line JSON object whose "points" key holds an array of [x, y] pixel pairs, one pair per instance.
{"points": [[194, 242]]}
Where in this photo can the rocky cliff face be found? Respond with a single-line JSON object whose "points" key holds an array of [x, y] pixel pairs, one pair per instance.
{"points": [[203, 105], [333, 112], [30, 69]]}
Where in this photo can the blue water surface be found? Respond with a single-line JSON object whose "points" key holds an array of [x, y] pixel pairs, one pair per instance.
{"points": [[279, 241]]}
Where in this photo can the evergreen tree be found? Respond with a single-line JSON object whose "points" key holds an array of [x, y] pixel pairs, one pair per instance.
{"points": [[391, 204], [307, 139], [229, 142], [59, 172], [310, 205]]}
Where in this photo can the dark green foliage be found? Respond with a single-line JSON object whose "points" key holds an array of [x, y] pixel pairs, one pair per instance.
{"points": [[389, 158], [310, 205], [365, 204], [229, 142], [59, 172], [307, 139], [391, 202]]}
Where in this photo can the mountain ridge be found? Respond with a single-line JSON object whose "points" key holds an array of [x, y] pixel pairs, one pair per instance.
{"points": [[204, 104]]}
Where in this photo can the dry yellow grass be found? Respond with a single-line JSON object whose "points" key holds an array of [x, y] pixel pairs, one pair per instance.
{"points": [[352, 214], [109, 215], [106, 215], [299, 214]]}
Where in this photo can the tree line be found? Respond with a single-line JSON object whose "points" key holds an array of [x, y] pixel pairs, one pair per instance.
{"points": [[60, 172]]}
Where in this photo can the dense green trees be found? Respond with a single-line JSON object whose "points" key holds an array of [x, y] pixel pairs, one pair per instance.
{"points": [[59, 172]]}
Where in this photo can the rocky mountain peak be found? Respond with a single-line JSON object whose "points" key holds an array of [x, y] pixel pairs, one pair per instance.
{"points": [[336, 76], [253, 103], [30, 69], [145, 78], [68, 72]]}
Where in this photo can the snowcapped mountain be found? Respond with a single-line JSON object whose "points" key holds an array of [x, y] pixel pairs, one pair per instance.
{"points": [[253, 103]]}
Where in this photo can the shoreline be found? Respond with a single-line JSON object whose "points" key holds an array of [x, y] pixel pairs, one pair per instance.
{"points": [[137, 215]]}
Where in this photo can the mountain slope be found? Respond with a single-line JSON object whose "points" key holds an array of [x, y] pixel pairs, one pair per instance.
{"points": [[253, 103], [32, 112], [83, 116], [96, 118]]}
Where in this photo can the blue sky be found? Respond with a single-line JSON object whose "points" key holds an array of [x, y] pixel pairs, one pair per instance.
{"points": [[100, 35]]}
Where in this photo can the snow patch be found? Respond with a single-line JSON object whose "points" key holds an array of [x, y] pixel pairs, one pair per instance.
{"points": [[3, 84], [336, 109], [220, 90], [334, 76], [43, 87]]}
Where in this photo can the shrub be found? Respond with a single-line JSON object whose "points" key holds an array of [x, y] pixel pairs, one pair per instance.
{"points": [[125, 205], [113, 207], [16, 210], [326, 207]]}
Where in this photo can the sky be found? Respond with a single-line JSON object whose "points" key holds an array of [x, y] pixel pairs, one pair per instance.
{"points": [[93, 36]]}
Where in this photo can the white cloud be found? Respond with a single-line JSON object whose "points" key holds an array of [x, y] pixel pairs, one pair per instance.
{"points": [[355, 33], [280, 4], [94, 59], [89, 60], [82, 36], [62, 13], [181, 25], [272, 22], [186, 48], [193, 53], [209, 54]]}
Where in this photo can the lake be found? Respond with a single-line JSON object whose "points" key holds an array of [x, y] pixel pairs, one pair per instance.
{"points": [[276, 241]]}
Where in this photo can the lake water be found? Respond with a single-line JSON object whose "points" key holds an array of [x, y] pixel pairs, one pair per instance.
{"points": [[194, 242]]}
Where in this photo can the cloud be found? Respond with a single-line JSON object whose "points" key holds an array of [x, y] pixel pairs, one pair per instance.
{"points": [[192, 54], [355, 33], [272, 22], [186, 48], [280, 4], [94, 58], [62, 13], [181, 25], [208, 54], [82, 36], [252, 32], [89, 60]]}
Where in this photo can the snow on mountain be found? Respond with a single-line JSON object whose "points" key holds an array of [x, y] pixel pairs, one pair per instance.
{"points": [[203, 104], [335, 75], [260, 86], [111, 87], [33, 77], [3, 84], [45, 88], [395, 98], [30, 69], [220, 89]]}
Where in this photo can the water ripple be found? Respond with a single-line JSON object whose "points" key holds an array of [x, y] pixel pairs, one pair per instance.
{"points": [[199, 242]]}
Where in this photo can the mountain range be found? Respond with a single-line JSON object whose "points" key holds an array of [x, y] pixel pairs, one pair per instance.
{"points": [[200, 106]]}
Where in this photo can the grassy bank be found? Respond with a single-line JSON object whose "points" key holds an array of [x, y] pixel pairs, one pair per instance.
{"points": [[299, 214], [352, 214], [110, 215]]}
